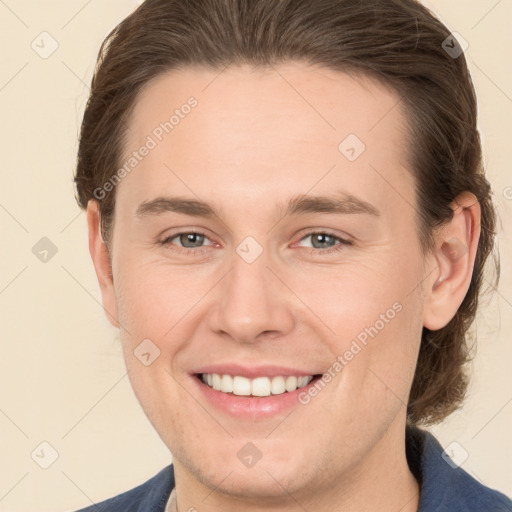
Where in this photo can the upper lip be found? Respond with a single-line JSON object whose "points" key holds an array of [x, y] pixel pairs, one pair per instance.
{"points": [[252, 372]]}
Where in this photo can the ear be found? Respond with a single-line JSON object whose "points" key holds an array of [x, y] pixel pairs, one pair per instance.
{"points": [[102, 264], [454, 257]]}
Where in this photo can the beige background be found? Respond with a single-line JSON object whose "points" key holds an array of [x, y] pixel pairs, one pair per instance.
{"points": [[62, 375]]}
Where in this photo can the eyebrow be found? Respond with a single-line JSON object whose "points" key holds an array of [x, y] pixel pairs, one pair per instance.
{"points": [[341, 203]]}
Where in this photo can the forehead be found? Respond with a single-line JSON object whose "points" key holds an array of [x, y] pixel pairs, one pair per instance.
{"points": [[257, 133]]}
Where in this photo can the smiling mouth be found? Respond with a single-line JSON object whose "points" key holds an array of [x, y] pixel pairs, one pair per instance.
{"points": [[257, 387]]}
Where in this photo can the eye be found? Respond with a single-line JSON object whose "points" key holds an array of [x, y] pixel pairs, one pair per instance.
{"points": [[322, 242], [325, 242], [188, 241]]}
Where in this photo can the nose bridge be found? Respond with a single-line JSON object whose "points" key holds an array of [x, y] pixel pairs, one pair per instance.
{"points": [[252, 299]]}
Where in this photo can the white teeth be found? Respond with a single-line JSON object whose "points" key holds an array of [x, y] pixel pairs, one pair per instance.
{"points": [[302, 381], [216, 382], [277, 386], [260, 386], [226, 384], [241, 385], [291, 383]]}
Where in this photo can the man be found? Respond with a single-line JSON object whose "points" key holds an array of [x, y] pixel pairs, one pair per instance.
{"points": [[288, 219]]}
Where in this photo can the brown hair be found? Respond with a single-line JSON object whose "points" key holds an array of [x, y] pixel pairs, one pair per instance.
{"points": [[398, 42]]}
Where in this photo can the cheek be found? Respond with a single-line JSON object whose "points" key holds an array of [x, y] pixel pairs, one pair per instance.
{"points": [[152, 298], [371, 315], [380, 358], [352, 297]]}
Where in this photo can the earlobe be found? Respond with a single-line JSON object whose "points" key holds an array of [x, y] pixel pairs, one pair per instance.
{"points": [[454, 259], [102, 262]]}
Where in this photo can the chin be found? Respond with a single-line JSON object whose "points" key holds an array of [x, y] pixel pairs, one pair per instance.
{"points": [[274, 477], [274, 485]]}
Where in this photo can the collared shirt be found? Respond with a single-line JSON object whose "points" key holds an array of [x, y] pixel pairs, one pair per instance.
{"points": [[444, 486]]}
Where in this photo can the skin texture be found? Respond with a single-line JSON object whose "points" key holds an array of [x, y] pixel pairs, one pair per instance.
{"points": [[256, 139]]}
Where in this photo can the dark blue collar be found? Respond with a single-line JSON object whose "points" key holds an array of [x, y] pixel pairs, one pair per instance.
{"points": [[445, 487]]}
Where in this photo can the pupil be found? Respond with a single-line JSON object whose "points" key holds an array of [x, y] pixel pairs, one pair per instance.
{"points": [[321, 237], [189, 237]]}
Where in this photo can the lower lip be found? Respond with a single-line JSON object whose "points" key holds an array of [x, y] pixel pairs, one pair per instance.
{"points": [[252, 407]]}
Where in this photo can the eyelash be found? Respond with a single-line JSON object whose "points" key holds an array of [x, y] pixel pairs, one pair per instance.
{"points": [[201, 250]]}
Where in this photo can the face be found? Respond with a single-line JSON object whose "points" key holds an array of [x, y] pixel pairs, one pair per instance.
{"points": [[304, 261]]}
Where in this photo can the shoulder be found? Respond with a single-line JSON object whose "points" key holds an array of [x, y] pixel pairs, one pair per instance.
{"points": [[446, 487], [150, 496]]}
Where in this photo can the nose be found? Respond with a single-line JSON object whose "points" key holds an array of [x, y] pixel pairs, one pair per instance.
{"points": [[252, 302]]}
